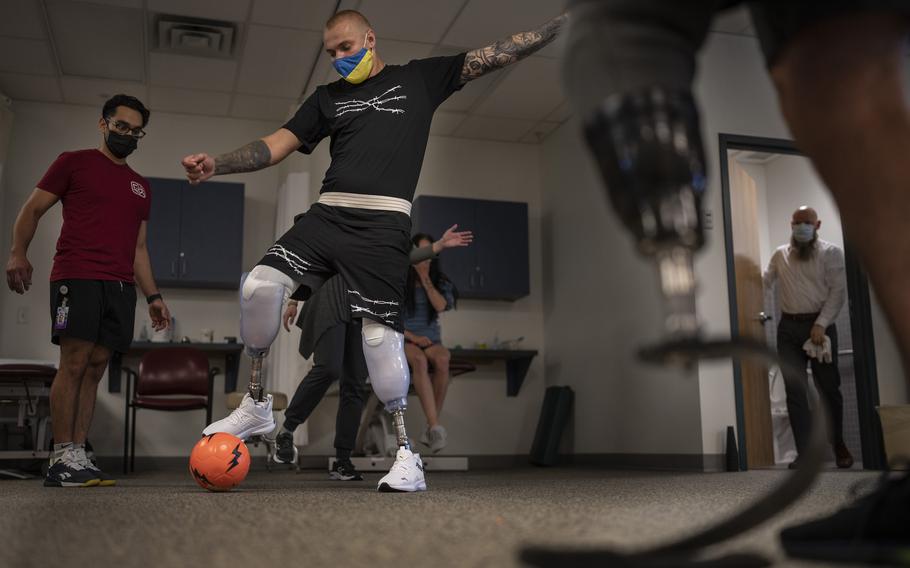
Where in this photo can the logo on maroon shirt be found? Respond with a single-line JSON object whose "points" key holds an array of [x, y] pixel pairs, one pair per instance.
{"points": [[137, 188]]}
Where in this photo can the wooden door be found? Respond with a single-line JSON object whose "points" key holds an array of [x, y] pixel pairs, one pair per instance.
{"points": [[749, 304]]}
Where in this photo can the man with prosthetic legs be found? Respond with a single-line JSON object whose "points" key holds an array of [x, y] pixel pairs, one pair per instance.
{"points": [[378, 119]]}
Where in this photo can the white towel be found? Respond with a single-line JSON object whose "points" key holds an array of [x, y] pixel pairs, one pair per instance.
{"points": [[821, 352]]}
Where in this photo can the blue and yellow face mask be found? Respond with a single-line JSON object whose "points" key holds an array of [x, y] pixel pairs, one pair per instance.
{"points": [[355, 68]]}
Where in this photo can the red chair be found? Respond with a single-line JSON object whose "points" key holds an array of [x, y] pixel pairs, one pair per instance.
{"points": [[173, 379]]}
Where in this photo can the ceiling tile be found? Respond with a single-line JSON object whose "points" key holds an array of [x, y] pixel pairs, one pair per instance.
{"points": [[561, 114], [735, 21], [230, 10], [263, 108], [79, 91], [482, 22], [188, 101], [532, 90], [539, 132], [305, 15], [117, 53], [189, 72], [400, 52], [264, 72], [30, 87], [409, 20], [445, 123], [488, 128], [29, 56], [21, 18]]}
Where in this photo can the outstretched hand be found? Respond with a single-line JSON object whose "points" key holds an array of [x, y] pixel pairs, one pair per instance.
{"points": [[452, 238], [199, 167]]}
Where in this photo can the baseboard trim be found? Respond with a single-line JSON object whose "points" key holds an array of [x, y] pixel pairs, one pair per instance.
{"points": [[660, 462]]}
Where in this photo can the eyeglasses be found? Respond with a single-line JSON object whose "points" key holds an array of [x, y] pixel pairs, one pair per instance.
{"points": [[124, 129]]}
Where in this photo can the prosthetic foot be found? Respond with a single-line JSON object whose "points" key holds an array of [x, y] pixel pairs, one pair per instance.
{"points": [[383, 350], [650, 155], [262, 295]]}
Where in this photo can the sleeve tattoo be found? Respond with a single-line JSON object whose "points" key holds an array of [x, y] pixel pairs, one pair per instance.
{"points": [[506, 51], [254, 156]]}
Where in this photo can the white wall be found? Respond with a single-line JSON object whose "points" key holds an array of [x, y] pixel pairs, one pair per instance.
{"points": [[40, 133], [480, 418]]}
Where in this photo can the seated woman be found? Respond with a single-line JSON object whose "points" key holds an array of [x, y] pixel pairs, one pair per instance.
{"points": [[428, 292]]}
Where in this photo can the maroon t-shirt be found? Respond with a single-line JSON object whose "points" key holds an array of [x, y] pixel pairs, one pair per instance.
{"points": [[104, 205]]}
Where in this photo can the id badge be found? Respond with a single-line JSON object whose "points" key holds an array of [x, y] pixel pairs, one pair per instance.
{"points": [[63, 311], [62, 315]]}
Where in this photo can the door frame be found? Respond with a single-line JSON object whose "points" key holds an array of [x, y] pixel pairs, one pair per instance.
{"points": [[859, 303]]}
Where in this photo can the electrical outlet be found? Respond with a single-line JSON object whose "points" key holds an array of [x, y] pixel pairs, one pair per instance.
{"points": [[22, 315], [708, 220]]}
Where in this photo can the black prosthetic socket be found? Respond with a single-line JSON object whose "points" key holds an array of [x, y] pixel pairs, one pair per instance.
{"points": [[650, 155]]}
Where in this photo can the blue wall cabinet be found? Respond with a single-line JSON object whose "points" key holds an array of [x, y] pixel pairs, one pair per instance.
{"points": [[195, 234], [495, 266]]}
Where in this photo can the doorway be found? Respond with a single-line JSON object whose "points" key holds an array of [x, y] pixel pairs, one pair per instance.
{"points": [[763, 182]]}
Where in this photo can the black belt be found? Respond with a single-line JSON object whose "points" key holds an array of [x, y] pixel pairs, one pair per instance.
{"points": [[799, 317]]}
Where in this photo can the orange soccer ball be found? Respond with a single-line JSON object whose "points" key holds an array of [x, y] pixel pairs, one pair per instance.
{"points": [[219, 462]]}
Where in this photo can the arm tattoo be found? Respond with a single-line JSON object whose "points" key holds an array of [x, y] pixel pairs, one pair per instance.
{"points": [[507, 51], [254, 156]]}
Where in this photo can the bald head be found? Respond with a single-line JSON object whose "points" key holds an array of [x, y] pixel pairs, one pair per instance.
{"points": [[351, 18], [804, 214], [346, 33]]}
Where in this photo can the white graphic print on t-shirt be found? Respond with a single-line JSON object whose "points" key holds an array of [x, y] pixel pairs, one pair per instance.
{"points": [[376, 103]]}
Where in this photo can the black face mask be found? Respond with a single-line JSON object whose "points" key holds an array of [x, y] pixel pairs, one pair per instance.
{"points": [[120, 145]]}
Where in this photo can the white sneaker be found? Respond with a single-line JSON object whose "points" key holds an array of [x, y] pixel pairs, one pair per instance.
{"points": [[406, 474], [249, 419]]}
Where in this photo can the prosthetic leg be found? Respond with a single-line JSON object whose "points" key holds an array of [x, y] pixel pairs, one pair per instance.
{"points": [[641, 126], [383, 350], [262, 295]]}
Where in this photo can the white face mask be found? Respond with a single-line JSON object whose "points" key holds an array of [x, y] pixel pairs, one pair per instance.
{"points": [[803, 232]]}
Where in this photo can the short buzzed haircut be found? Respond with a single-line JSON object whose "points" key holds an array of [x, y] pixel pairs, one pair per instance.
{"points": [[343, 15]]}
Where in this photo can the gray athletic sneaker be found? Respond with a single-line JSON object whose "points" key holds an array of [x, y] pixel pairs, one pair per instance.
{"points": [[437, 437]]}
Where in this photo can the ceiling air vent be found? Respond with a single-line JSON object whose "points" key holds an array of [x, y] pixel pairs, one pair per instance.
{"points": [[204, 38]]}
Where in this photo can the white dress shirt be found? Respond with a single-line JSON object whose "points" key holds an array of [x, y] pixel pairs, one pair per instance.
{"points": [[816, 284]]}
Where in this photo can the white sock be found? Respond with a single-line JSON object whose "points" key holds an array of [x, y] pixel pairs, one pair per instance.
{"points": [[59, 450]]}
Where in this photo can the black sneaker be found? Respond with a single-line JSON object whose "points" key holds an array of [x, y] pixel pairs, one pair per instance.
{"points": [[104, 480], [874, 529], [285, 450], [344, 470], [67, 472]]}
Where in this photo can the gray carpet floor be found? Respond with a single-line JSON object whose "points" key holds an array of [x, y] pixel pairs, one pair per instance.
{"points": [[163, 519]]}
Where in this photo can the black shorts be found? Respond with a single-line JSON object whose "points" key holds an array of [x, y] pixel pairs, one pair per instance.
{"points": [[99, 311], [776, 22], [369, 249]]}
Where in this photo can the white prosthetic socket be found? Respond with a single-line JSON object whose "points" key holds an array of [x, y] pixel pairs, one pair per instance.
{"points": [[262, 295], [383, 349]]}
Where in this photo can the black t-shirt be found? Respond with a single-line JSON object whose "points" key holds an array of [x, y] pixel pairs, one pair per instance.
{"points": [[379, 128]]}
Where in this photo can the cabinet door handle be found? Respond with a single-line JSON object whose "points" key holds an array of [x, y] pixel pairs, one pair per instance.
{"points": [[183, 267]]}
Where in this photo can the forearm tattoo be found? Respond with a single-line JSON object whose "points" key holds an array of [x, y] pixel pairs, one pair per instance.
{"points": [[507, 51], [254, 156]]}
